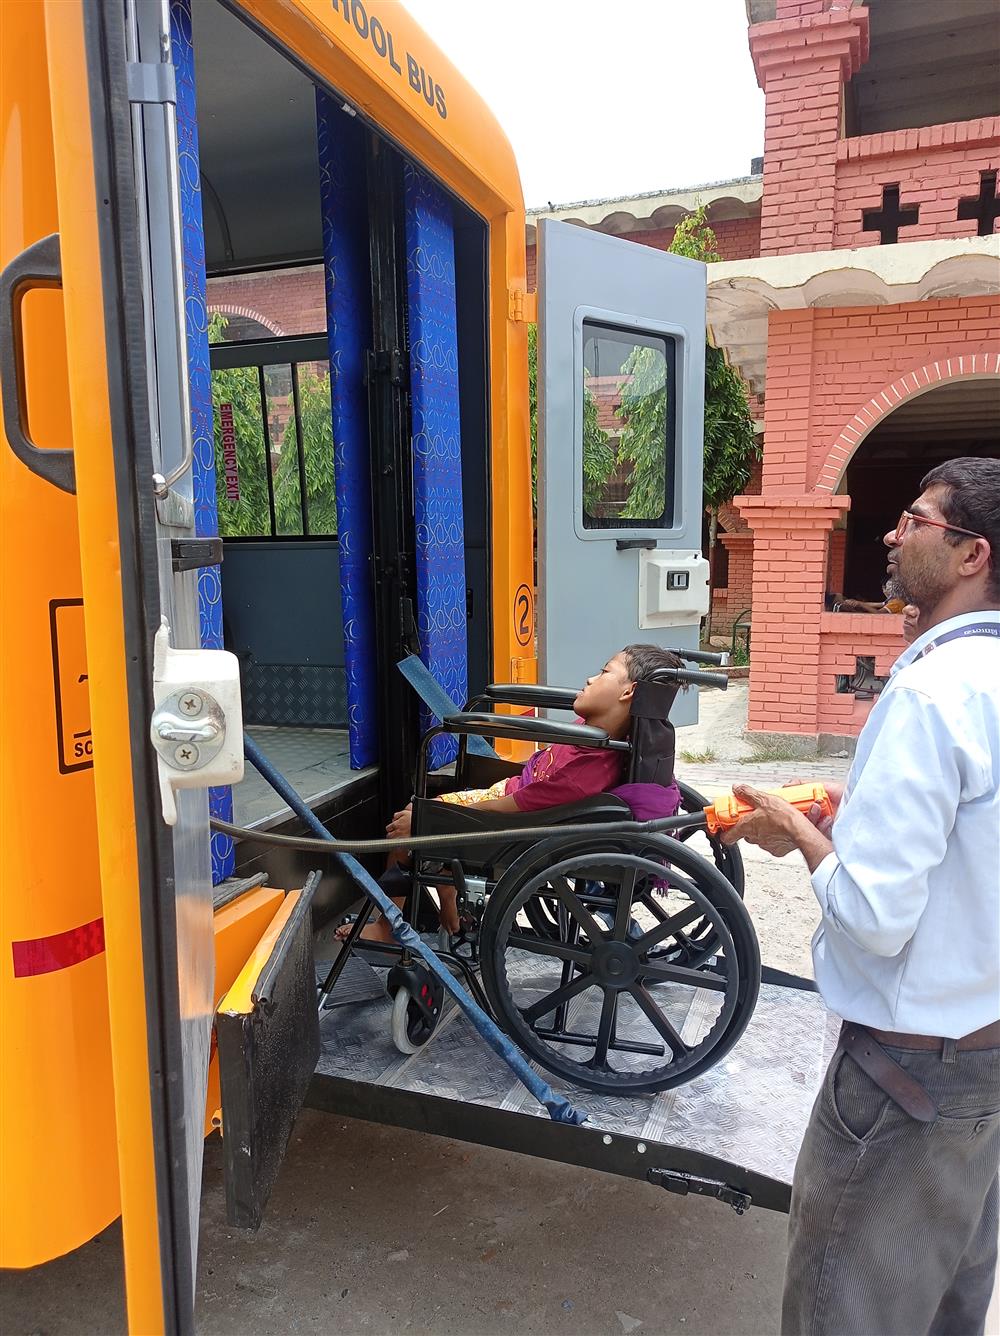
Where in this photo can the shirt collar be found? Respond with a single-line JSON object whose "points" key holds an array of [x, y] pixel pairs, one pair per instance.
{"points": [[914, 650]]}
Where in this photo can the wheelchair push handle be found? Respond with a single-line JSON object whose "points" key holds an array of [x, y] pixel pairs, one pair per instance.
{"points": [[691, 677], [724, 813], [720, 660]]}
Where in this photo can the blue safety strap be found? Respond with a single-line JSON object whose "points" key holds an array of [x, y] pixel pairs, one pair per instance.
{"points": [[206, 520], [560, 1110], [437, 700]]}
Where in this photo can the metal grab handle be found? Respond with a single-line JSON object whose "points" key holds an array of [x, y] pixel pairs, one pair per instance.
{"points": [[37, 267]]}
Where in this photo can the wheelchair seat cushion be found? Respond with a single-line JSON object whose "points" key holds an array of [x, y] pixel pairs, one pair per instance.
{"points": [[649, 802]]}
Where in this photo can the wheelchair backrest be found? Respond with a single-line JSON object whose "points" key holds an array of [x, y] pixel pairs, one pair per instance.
{"points": [[652, 734]]}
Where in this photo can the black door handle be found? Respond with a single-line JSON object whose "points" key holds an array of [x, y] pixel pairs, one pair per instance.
{"points": [[37, 267]]}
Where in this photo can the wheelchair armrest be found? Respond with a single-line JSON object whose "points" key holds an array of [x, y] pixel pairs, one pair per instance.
{"points": [[531, 730], [537, 695]]}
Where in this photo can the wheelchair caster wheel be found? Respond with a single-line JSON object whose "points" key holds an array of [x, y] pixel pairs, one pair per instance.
{"points": [[416, 1006]]}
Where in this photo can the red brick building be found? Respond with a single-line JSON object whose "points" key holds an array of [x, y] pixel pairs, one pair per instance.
{"points": [[867, 318]]}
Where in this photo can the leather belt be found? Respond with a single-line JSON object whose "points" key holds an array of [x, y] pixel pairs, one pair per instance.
{"points": [[887, 1074], [987, 1037]]}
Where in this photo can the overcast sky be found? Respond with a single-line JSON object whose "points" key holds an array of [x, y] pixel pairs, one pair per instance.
{"points": [[609, 97]]}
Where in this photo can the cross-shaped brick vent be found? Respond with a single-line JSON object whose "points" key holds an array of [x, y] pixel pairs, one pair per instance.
{"points": [[890, 218], [984, 207]]}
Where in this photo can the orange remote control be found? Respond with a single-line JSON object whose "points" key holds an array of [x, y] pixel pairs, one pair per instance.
{"points": [[727, 810]]}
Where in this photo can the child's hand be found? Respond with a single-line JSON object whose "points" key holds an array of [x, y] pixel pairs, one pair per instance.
{"points": [[399, 827]]}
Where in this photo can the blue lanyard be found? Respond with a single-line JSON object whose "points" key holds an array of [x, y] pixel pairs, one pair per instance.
{"points": [[990, 629]]}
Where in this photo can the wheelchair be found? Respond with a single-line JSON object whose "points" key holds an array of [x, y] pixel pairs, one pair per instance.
{"points": [[623, 962]]}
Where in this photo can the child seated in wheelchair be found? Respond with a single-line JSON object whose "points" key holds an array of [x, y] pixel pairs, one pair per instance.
{"points": [[551, 777]]}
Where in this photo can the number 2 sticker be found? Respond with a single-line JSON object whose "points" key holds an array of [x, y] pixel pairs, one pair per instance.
{"points": [[524, 616]]}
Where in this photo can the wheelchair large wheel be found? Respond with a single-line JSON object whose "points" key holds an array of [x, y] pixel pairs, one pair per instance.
{"points": [[696, 944], [604, 1006]]}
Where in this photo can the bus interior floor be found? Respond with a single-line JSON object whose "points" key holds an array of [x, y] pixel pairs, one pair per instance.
{"points": [[315, 761]]}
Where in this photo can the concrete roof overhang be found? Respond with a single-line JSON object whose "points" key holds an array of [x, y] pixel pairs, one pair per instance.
{"points": [[659, 208], [741, 293]]}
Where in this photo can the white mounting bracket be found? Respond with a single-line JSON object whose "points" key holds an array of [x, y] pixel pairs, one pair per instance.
{"points": [[197, 724]]}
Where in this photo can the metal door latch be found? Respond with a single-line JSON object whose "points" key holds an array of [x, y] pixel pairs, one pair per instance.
{"points": [[675, 1181], [197, 723]]}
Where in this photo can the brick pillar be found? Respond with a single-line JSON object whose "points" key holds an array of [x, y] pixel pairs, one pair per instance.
{"points": [[838, 557], [802, 63], [790, 536], [739, 545]]}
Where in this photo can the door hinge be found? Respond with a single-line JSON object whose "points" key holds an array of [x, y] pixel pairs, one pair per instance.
{"points": [[385, 362], [522, 307], [150, 81]]}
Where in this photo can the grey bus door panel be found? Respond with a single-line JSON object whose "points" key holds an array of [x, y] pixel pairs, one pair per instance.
{"points": [[621, 406]]}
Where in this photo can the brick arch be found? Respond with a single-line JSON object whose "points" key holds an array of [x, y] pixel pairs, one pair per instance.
{"points": [[228, 308], [890, 397]]}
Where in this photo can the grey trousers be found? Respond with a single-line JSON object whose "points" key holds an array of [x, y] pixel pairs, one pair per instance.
{"points": [[893, 1223]]}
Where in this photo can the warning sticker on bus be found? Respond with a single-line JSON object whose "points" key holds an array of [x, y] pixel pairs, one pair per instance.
{"points": [[69, 675]]}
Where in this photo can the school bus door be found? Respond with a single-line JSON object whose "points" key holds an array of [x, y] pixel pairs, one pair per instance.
{"points": [[621, 338], [116, 170]]}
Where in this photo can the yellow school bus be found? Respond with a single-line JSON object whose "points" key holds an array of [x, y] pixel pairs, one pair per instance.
{"points": [[264, 307]]}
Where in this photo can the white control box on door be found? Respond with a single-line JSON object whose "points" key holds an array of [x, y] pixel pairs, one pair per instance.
{"points": [[673, 588]]}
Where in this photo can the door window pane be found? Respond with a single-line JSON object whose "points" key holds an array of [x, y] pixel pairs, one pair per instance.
{"points": [[628, 430], [284, 450], [241, 488], [317, 447], [281, 413]]}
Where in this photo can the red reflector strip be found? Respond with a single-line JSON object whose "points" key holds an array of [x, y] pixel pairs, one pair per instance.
{"points": [[43, 955]]}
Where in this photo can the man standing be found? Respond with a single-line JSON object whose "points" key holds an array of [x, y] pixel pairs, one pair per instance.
{"points": [[893, 1224]]}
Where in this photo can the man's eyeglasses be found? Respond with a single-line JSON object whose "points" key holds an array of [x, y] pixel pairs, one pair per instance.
{"points": [[907, 518]]}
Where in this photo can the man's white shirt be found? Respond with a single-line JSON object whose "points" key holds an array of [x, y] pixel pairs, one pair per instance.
{"points": [[910, 934]]}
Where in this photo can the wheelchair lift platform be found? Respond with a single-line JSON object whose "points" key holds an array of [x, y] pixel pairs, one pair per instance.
{"points": [[732, 1133]]}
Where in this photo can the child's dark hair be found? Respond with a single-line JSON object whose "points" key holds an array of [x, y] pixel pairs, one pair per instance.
{"points": [[642, 661]]}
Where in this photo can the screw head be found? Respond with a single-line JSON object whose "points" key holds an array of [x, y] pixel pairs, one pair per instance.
{"points": [[186, 755], [191, 704]]}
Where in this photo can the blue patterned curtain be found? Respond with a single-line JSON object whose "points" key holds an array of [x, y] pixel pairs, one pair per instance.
{"points": [[344, 206], [437, 440], [199, 376]]}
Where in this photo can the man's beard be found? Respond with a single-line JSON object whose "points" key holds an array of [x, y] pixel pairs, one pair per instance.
{"points": [[923, 585]]}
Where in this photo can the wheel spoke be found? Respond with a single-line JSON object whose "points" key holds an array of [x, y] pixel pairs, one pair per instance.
{"points": [[669, 925], [606, 1027], [659, 1021], [664, 973], [579, 911], [623, 911], [542, 946], [556, 999]]}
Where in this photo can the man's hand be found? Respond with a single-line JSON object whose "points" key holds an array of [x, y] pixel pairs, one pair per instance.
{"points": [[835, 792], [399, 827], [777, 827]]}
